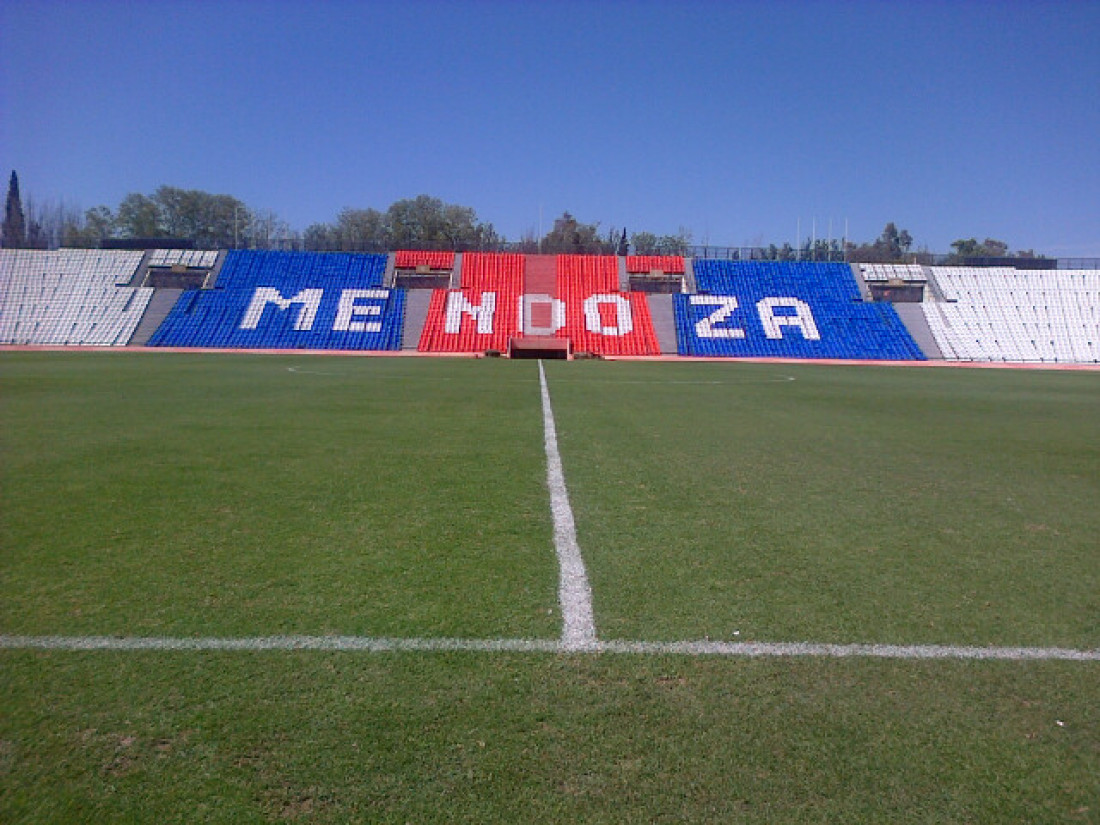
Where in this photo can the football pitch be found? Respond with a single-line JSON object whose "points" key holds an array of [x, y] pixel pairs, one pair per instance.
{"points": [[266, 588]]}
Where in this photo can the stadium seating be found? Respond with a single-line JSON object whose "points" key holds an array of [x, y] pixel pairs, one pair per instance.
{"points": [[649, 263], [199, 259], [411, 259], [910, 273], [289, 300], [786, 309], [488, 312], [600, 318], [742, 308], [1005, 314], [73, 297], [483, 314]]}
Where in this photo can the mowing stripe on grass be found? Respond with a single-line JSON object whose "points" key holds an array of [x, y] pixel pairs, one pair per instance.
{"points": [[370, 644], [574, 593]]}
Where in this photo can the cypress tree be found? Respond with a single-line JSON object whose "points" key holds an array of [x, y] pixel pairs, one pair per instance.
{"points": [[13, 233]]}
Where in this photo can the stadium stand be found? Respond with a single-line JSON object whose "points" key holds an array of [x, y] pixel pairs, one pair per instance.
{"points": [[585, 306], [483, 314], [741, 308], [74, 297], [600, 318], [290, 300], [1016, 315], [411, 259], [654, 263], [910, 273], [198, 259], [786, 309]]}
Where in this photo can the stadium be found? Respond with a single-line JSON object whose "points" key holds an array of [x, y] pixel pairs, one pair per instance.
{"points": [[550, 305], [575, 538]]}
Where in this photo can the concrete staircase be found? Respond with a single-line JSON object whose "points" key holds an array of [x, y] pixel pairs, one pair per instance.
{"points": [[164, 298], [417, 302], [541, 275], [664, 322], [912, 315], [864, 290]]}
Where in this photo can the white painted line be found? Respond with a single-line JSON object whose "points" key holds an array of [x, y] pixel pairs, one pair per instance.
{"points": [[574, 594], [856, 651], [298, 371], [371, 644], [367, 644], [748, 380]]}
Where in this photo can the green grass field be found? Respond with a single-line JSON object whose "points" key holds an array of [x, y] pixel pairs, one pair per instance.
{"points": [[230, 496]]}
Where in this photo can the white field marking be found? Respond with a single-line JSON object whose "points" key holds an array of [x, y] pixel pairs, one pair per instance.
{"points": [[297, 371], [574, 594], [372, 644], [775, 380]]}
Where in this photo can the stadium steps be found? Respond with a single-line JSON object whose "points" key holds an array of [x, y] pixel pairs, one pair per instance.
{"points": [[933, 284], [912, 315], [624, 276], [541, 275], [216, 271], [164, 298], [664, 322], [864, 290], [417, 302], [142, 271], [689, 276]]}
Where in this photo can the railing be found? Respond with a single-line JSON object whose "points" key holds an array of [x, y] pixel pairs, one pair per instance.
{"points": [[820, 253]]}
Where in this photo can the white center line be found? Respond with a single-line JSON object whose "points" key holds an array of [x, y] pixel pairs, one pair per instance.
{"points": [[574, 594]]}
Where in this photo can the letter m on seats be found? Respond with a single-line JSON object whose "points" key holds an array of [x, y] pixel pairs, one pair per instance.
{"points": [[308, 299]]}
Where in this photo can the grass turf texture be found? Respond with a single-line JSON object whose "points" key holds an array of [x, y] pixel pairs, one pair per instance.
{"points": [[852, 504], [226, 495], [190, 495], [326, 737]]}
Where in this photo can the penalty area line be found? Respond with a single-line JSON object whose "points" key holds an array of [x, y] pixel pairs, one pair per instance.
{"points": [[372, 644]]}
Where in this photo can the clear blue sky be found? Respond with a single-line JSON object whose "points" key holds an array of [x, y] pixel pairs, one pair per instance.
{"points": [[733, 120]]}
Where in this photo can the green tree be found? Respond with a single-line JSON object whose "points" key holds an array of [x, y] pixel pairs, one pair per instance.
{"points": [[425, 222], [647, 243], [13, 232], [970, 248], [320, 237], [361, 229], [890, 247], [571, 237], [209, 220], [644, 243], [138, 216], [422, 222], [90, 229]]}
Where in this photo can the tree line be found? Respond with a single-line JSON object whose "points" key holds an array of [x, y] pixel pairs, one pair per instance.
{"points": [[210, 221]]}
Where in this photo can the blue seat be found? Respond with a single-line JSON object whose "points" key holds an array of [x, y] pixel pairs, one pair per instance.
{"points": [[838, 324], [215, 317]]}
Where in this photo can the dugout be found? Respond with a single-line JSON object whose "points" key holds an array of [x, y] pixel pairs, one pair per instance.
{"points": [[540, 346]]}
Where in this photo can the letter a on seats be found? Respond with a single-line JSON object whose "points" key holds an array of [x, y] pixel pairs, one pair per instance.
{"points": [[773, 324]]}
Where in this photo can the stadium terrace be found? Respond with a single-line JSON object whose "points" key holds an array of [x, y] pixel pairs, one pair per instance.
{"points": [[548, 305]]}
